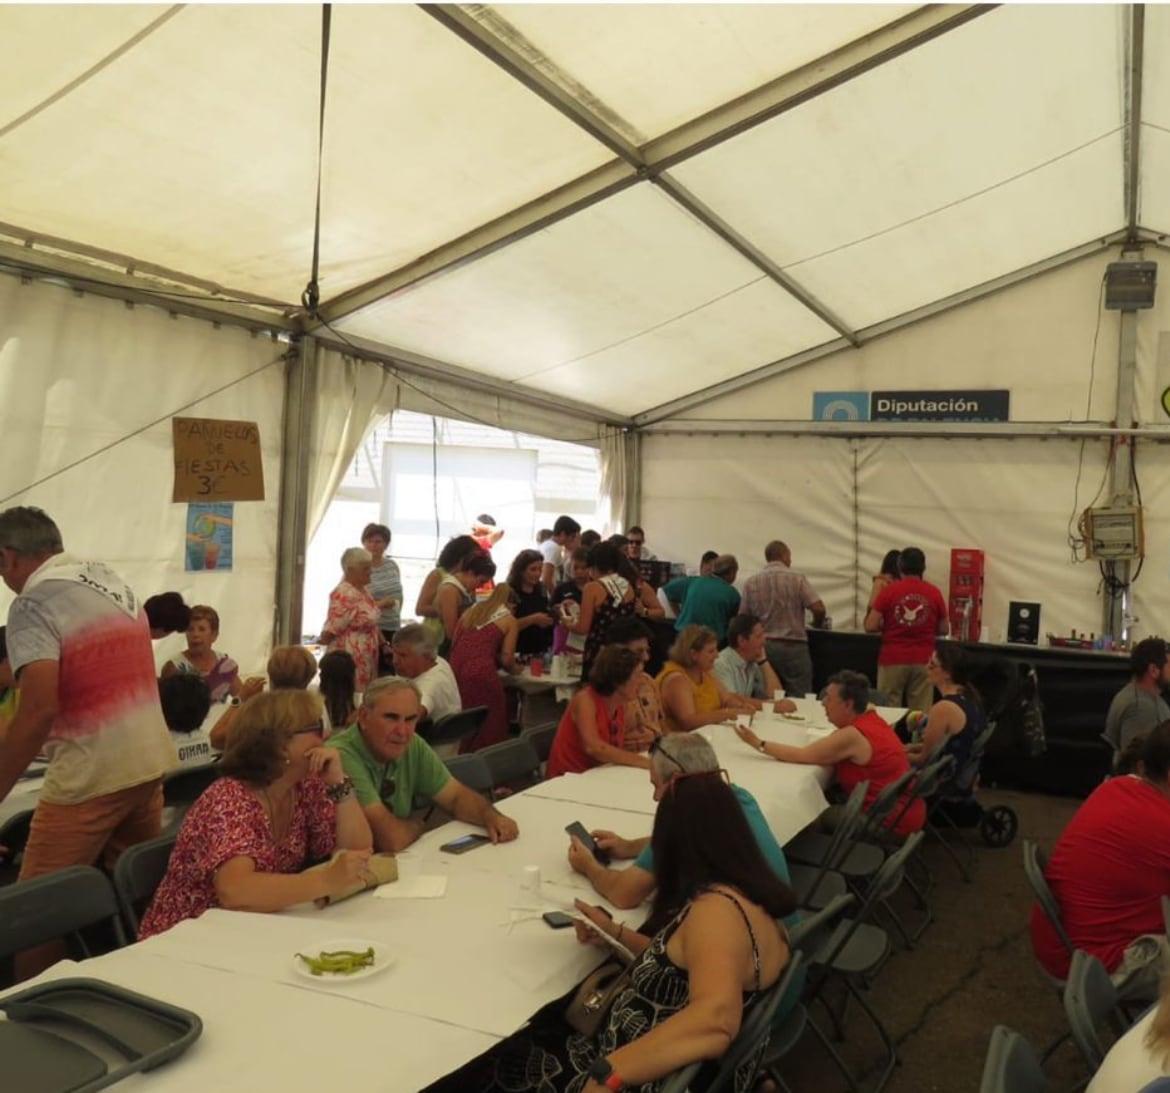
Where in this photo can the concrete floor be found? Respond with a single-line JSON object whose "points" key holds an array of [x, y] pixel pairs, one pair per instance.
{"points": [[972, 969]]}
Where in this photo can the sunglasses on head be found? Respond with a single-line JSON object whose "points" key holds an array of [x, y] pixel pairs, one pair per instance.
{"points": [[657, 748], [684, 775]]}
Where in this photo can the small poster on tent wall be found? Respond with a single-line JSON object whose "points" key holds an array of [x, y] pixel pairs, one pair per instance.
{"points": [[209, 537], [217, 460]]}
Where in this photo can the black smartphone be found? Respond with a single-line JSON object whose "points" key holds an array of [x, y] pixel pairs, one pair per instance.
{"points": [[464, 843], [578, 829], [558, 920]]}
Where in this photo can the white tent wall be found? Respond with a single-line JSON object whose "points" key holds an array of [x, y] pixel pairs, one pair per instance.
{"points": [[1011, 497], [1035, 339], [88, 386]]}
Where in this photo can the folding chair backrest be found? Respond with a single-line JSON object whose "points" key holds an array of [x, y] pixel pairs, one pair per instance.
{"points": [[455, 726], [930, 778], [57, 905], [1158, 1085], [878, 813], [807, 935], [138, 874], [185, 787], [513, 763], [541, 738], [1035, 865], [964, 778], [847, 827], [1011, 1065], [747, 1049], [472, 771], [1090, 1000]]}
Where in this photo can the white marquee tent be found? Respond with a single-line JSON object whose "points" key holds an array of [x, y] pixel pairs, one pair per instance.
{"points": [[658, 229]]}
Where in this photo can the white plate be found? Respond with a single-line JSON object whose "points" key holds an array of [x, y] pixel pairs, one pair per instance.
{"points": [[382, 959]]}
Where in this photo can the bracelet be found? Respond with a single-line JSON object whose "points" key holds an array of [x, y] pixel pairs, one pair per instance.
{"points": [[341, 791]]}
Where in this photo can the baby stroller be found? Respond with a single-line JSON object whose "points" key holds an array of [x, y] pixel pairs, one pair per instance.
{"points": [[1012, 699]]}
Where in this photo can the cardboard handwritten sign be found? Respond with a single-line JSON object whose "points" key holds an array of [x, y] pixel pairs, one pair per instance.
{"points": [[217, 460]]}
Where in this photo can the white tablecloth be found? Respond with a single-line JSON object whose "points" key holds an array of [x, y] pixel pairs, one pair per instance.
{"points": [[270, 1037], [468, 967]]}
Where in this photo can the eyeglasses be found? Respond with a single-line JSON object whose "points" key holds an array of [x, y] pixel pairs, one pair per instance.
{"points": [[317, 728], [657, 749], [389, 785]]}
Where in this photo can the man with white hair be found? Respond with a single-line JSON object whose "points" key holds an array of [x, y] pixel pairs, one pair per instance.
{"points": [[676, 755], [391, 767], [416, 659]]}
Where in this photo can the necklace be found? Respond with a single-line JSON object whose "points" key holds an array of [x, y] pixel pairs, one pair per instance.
{"points": [[278, 824]]}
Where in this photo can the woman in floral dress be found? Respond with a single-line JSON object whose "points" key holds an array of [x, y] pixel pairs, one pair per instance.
{"points": [[352, 623]]}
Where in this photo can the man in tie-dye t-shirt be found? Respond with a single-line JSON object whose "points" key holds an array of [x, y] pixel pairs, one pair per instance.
{"points": [[79, 643]]}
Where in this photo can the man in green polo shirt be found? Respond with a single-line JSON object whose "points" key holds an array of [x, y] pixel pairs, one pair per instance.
{"points": [[712, 601], [390, 766]]}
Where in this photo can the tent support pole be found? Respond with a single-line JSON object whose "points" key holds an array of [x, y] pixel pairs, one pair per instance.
{"points": [[1119, 598], [292, 534]]}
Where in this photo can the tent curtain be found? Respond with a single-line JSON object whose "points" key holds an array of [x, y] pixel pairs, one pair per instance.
{"points": [[351, 397], [616, 471]]}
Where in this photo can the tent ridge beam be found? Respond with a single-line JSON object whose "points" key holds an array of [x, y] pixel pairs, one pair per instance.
{"points": [[412, 363], [877, 330], [635, 164], [713, 222], [488, 40], [1133, 116], [1066, 430]]}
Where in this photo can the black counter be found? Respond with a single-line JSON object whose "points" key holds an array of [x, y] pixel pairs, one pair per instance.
{"points": [[1076, 687]]}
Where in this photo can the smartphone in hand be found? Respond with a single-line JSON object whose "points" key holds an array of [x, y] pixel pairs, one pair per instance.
{"points": [[577, 829]]}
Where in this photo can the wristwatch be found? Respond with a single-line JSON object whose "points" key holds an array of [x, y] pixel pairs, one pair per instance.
{"points": [[604, 1074], [763, 747], [231, 700]]}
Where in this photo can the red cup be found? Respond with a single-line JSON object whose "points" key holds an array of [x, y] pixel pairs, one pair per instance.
{"points": [[536, 667]]}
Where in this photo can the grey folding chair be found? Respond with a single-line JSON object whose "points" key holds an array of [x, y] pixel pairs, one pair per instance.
{"points": [[1090, 1002], [184, 787], [541, 738], [1011, 1065], [748, 1047], [840, 851], [854, 952], [137, 875], [472, 771], [1158, 1085], [454, 727], [57, 906], [962, 783], [1035, 866], [513, 763]]}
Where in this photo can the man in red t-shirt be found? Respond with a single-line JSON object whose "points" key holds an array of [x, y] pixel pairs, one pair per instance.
{"points": [[1109, 872], [909, 614]]}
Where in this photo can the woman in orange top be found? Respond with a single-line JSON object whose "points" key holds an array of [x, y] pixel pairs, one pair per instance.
{"points": [[592, 731]]}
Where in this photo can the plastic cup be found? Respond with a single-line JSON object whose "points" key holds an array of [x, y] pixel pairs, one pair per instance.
{"points": [[743, 720], [767, 708], [211, 555], [536, 667], [530, 882], [196, 553], [813, 696], [778, 694]]}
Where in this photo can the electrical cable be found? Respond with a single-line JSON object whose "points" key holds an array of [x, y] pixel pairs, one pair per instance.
{"points": [[311, 297], [1075, 543]]}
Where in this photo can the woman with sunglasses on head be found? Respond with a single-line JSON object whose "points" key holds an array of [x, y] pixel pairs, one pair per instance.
{"points": [[711, 948], [282, 803], [592, 730]]}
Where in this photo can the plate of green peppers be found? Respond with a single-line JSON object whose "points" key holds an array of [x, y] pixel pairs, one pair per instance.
{"points": [[344, 960]]}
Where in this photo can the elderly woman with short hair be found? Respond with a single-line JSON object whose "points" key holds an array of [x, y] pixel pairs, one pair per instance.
{"points": [[352, 624], [283, 802]]}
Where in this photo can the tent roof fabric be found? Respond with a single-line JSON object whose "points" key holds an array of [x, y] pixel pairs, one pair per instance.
{"points": [[615, 205]]}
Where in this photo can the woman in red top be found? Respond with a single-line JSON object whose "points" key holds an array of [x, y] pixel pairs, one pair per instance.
{"points": [[485, 642], [863, 748], [593, 729]]}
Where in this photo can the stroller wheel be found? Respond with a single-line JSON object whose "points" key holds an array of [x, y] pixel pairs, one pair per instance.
{"points": [[999, 826]]}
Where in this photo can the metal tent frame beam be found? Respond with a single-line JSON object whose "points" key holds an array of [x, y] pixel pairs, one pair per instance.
{"points": [[646, 162], [1133, 117], [877, 330]]}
